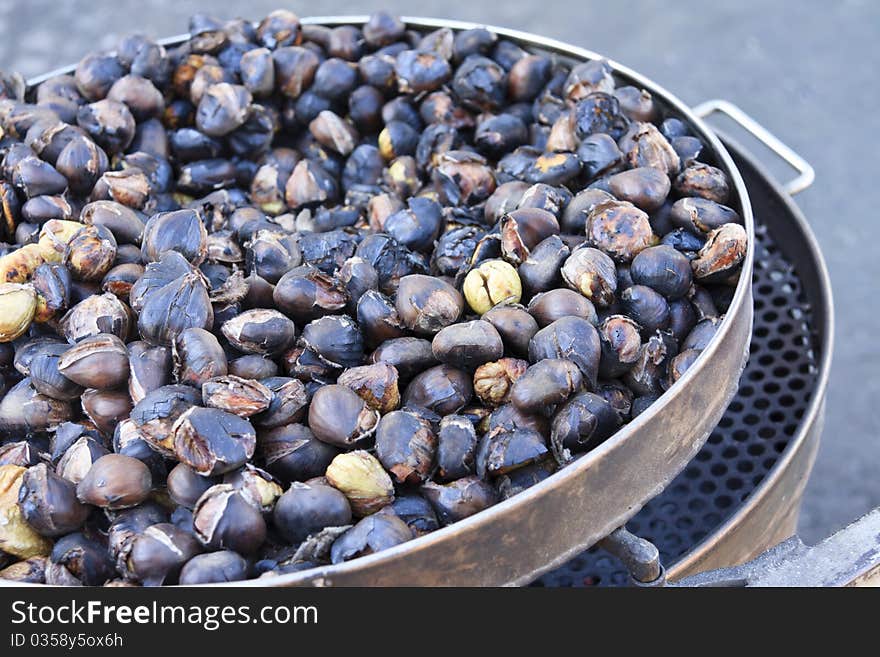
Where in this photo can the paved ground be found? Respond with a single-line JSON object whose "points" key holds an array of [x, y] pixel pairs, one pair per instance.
{"points": [[802, 69]]}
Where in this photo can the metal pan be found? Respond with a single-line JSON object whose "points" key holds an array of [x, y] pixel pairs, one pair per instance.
{"points": [[515, 541]]}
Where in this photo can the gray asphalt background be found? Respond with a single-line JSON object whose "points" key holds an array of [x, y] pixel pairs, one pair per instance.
{"points": [[806, 70]]}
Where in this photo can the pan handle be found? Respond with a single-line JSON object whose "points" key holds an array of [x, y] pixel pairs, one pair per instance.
{"points": [[806, 173]]}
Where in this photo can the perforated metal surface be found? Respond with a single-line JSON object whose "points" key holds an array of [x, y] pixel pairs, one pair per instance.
{"points": [[775, 390]]}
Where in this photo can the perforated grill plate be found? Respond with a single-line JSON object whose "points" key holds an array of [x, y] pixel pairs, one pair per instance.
{"points": [[774, 392]]}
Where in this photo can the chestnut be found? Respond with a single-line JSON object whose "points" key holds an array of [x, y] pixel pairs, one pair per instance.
{"points": [[305, 509], [546, 383], [406, 446]]}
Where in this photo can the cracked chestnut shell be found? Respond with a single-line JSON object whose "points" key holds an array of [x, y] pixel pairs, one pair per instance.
{"points": [[336, 339], [260, 331], [149, 368], [233, 394], [24, 410], [47, 378], [503, 450], [292, 453], [722, 254], [197, 356], [306, 293], [406, 446], [456, 448], [49, 504], [212, 441], [79, 559], [288, 402], [523, 229], [569, 338], [592, 273], [582, 423], [619, 229], [376, 384], [90, 253], [620, 339], [158, 553], [181, 304], [157, 412], [182, 231], [226, 518]]}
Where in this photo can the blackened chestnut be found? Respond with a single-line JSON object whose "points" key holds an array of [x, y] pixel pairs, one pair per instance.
{"points": [[338, 416], [546, 383], [406, 446], [442, 389], [663, 269], [582, 423], [468, 345], [573, 338], [305, 509], [226, 518], [460, 498], [372, 534]]}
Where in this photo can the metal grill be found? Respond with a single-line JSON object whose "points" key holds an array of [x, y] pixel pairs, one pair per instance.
{"points": [[774, 392]]}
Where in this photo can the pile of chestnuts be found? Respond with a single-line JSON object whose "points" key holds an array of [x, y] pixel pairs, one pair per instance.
{"points": [[283, 295]]}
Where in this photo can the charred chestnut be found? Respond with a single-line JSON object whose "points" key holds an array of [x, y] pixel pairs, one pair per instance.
{"points": [[212, 441], [338, 416], [226, 518], [442, 389], [426, 304], [546, 383], [570, 338], [620, 339], [547, 307], [646, 306], [158, 553], [214, 567], [49, 504], [372, 534], [406, 446], [263, 332], [459, 499], [582, 423]]}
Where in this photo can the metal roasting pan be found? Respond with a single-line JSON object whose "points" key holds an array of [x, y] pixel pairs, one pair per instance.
{"points": [[515, 541], [770, 513]]}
